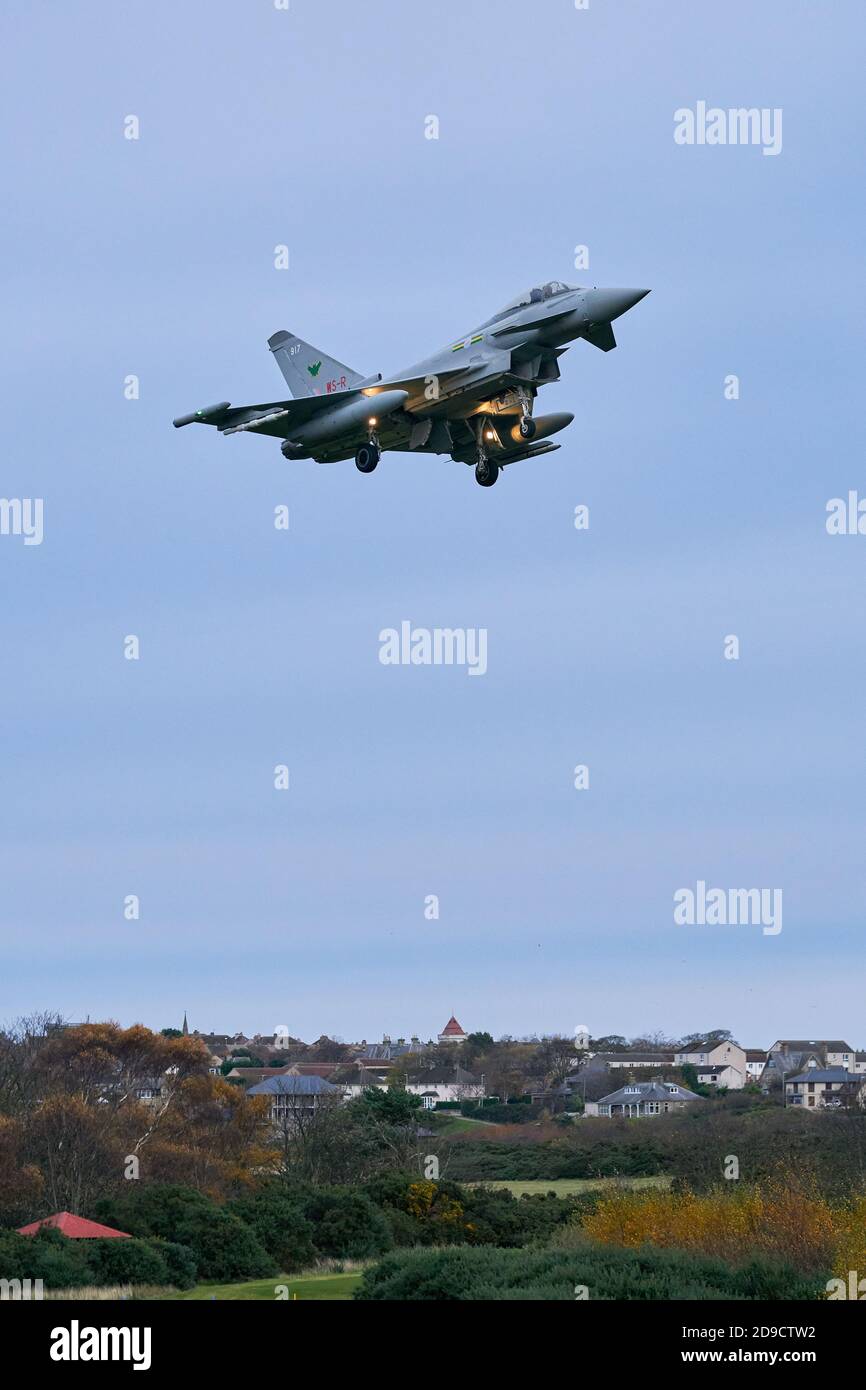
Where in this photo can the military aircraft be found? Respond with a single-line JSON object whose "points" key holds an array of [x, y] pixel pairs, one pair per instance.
{"points": [[473, 399]]}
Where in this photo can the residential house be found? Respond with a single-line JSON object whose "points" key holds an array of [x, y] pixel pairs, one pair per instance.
{"points": [[444, 1084], [386, 1053], [716, 1054], [825, 1088], [293, 1098], [756, 1060], [643, 1098], [354, 1079], [782, 1064], [725, 1078], [832, 1052], [251, 1076], [433, 1084], [629, 1061], [153, 1090]]}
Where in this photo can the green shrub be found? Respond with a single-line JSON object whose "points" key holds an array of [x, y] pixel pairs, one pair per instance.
{"points": [[501, 1113], [115, 1261], [224, 1248], [346, 1224], [507, 1160], [607, 1273], [179, 1261], [151, 1209], [50, 1256], [276, 1216]]}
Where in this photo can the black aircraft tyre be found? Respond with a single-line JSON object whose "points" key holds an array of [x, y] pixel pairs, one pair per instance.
{"points": [[486, 473], [527, 427], [366, 458]]}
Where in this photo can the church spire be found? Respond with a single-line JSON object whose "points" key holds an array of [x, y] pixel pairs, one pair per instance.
{"points": [[185, 1029]]}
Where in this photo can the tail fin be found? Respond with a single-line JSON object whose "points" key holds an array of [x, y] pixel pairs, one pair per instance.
{"points": [[307, 371]]}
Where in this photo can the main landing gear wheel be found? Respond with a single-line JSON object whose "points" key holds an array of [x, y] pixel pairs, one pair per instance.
{"points": [[366, 458], [527, 427], [486, 472]]}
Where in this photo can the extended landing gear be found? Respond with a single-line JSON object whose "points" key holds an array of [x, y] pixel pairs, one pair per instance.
{"points": [[367, 456], [486, 472], [486, 469], [527, 427]]}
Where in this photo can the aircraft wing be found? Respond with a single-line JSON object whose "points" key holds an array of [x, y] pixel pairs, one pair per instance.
{"points": [[416, 383], [269, 417]]}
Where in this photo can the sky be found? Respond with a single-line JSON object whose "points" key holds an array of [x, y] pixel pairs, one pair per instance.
{"points": [[155, 258]]}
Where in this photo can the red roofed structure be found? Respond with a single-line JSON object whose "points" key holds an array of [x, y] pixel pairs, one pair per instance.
{"points": [[452, 1032], [76, 1227]]}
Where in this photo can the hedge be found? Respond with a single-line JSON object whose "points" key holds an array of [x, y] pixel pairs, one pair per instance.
{"points": [[558, 1276]]}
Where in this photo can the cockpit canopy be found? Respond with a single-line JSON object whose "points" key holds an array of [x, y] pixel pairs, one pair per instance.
{"points": [[537, 295]]}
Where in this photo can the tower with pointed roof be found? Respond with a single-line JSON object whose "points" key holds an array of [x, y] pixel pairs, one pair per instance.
{"points": [[452, 1032], [185, 1028]]}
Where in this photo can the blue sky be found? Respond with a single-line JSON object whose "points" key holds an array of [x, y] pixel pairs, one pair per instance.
{"points": [[155, 257]]}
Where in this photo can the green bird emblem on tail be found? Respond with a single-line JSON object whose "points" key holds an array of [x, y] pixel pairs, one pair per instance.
{"points": [[314, 367]]}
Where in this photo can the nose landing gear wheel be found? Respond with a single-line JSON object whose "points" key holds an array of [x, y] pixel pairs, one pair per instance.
{"points": [[366, 458], [486, 472], [527, 427]]}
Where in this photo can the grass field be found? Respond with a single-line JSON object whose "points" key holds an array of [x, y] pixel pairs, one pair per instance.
{"points": [[569, 1187], [322, 1286], [457, 1124]]}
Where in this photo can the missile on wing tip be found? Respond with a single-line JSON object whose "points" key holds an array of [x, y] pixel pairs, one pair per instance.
{"points": [[545, 425], [201, 415]]}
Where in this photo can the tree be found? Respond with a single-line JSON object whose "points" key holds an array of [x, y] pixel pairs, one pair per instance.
{"points": [[558, 1057], [693, 1042], [73, 1125], [475, 1046]]}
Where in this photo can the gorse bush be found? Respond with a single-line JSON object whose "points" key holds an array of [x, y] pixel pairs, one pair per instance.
{"points": [[784, 1219], [557, 1275], [223, 1246], [124, 1262], [277, 1218]]}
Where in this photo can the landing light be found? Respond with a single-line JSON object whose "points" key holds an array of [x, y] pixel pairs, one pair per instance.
{"points": [[372, 420], [489, 434]]}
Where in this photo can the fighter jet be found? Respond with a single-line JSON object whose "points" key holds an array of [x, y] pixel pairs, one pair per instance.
{"points": [[472, 400]]}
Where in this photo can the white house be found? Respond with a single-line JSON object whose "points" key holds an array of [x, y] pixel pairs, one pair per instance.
{"points": [[444, 1084], [756, 1060], [724, 1077], [717, 1054]]}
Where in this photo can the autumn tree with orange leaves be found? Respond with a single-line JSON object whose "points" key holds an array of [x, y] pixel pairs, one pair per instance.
{"points": [[74, 1128]]}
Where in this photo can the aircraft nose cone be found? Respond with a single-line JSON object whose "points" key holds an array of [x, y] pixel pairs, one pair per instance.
{"points": [[608, 305]]}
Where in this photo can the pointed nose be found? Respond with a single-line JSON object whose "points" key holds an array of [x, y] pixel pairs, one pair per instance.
{"points": [[607, 305]]}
